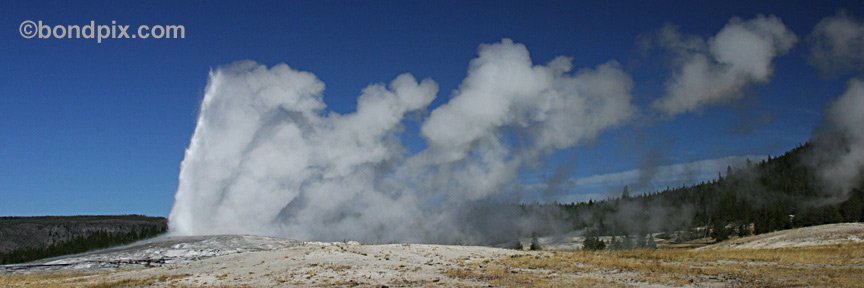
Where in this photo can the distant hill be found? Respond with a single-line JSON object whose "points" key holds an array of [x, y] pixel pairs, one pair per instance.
{"points": [[25, 239], [774, 194]]}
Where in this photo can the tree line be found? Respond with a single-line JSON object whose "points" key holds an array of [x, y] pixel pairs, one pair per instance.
{"points": [[774, 194], [85, 240]]}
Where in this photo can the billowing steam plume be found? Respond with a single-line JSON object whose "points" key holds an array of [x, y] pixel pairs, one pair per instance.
{"points": [[266, 158], [837, 43], [838, 152], [718, 70]]}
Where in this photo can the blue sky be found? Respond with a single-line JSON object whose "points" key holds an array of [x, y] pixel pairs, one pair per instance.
{"points": [[90, 128]]}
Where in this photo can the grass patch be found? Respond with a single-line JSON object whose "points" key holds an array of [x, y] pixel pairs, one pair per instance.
{"points": [[43, 279], [79, 279], [825, 266]]}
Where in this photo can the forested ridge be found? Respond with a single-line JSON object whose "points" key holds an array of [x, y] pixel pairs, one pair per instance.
{"points": [[773, 194], [24, 239]]}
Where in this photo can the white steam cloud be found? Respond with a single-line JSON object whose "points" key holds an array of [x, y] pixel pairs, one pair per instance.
{"points": [[266, 159], [718, 70], [839, 144], [836, 44]]}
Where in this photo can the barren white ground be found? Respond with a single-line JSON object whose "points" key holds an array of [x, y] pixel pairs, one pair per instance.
{"points": [[831, 234], [268, 262]]}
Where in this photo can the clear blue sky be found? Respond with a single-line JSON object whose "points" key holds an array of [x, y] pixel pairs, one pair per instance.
{"points": [[88, 128]]}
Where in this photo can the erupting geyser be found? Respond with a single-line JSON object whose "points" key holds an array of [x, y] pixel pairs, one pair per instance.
{"points": [[266, 158]]}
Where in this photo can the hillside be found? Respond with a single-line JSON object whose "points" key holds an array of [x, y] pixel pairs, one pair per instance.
{"points": [[830, 234], [774, 194], [29, 238]]}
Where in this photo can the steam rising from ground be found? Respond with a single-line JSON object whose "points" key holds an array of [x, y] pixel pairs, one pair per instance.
{"points": [[838, 153], [718, 70], [266, 159], [837, 43]]}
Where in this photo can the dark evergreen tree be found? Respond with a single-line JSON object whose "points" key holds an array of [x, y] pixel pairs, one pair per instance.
{"points": [[535, 243], [626, 193], [592, 242]]}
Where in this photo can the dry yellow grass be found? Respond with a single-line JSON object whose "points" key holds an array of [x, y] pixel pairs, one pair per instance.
{"points": [[89, 280], [50, 279], [823, 266]]}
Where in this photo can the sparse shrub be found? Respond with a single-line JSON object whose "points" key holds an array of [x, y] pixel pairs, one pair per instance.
{"points": [[592, 242], [535, 243], [720, 233], [744, 230]]}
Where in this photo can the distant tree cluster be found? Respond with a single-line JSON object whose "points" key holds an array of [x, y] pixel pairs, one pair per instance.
{"points": [[632, 242], [592, 241], [774, 194]]}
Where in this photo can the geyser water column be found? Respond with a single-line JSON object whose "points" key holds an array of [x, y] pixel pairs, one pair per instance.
{"points": [[267, 158], [261, 140]]}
